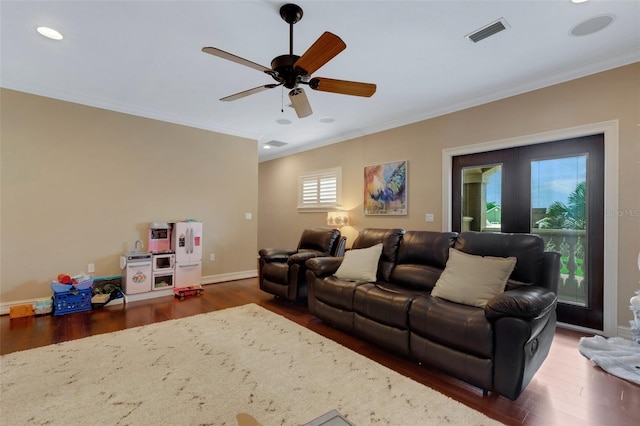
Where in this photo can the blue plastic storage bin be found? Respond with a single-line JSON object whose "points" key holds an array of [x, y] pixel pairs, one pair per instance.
{"points": [[66, 302], [72, 298]]}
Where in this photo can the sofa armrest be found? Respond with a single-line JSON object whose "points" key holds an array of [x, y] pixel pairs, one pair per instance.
{"points": [[527, 303], [302, 256], [323, 266], [276, 254]]}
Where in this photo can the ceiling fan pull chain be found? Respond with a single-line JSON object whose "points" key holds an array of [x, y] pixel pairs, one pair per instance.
{"points": [[282, 100]]}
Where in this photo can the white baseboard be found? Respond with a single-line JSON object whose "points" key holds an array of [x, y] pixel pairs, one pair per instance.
{"points": [[128, 298], [625, 332], [5, 307], [620, 331], [233, 276]]}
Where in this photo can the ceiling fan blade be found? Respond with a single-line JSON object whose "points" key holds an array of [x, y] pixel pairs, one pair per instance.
{"points": [[300, 102], [248, 92], [237, 59], [343, 87], [325, 48]]}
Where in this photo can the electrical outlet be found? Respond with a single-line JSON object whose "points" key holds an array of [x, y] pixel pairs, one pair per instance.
{"points": [[248, 216], [212, 257], [91, 267], [430, 217]]}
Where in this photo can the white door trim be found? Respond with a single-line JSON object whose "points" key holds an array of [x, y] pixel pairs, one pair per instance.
{"points": [[611, 146]]}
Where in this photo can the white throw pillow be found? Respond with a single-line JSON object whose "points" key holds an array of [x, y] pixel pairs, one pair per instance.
{"points": [[360, 264], [473, 280]]}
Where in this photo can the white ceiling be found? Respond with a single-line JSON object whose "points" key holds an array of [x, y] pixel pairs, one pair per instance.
{"points": [[144, 58]]}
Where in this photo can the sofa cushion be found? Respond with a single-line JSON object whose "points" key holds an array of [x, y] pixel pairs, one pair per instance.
{"points": [[461, 327], [335, 292], [384, 305], [421, 258], [473, 280], [276, 272], [415, 277], [360, 264], [426, 248], [390, 239], [527, 248]]}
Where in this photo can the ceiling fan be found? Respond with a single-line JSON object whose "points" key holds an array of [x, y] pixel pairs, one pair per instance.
{"points": [[291, 70]]}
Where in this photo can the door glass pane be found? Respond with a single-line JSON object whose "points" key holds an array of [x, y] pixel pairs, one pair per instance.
{"points": [[481, 198], [558, 214]]}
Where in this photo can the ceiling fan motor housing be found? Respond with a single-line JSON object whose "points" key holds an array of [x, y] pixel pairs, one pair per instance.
{"points": [[286, 74]]}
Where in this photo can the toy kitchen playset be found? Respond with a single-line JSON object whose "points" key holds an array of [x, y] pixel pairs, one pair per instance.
{"points": [[174, 259]]}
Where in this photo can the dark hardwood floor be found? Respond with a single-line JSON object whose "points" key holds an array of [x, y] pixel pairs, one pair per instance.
{"points": [[567, 390]]}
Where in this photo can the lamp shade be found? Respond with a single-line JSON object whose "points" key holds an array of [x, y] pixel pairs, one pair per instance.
{"points": [[338, 218]]}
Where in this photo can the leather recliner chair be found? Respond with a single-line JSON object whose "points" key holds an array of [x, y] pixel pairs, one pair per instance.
{"points": [[282, 271]]}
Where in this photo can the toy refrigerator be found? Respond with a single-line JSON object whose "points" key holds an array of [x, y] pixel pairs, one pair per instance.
{"points": [[187, 245]]}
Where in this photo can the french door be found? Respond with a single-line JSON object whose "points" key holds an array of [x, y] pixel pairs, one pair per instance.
{"points": [[553, 189]]}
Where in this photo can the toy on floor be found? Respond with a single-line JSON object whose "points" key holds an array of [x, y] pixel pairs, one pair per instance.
{"points": [[65, 279], [192, 290]]}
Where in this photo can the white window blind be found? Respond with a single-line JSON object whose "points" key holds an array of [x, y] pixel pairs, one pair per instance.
{"points": [[320, 189]]}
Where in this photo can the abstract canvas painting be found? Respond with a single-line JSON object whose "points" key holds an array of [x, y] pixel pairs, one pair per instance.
{"points": [[385, 189]]}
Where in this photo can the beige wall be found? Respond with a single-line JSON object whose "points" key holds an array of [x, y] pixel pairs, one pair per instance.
{"points": [[611, 95], [80, 184]]}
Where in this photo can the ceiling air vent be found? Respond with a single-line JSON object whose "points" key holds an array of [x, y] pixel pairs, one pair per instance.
{"points": [[276, 144], [488, 30]]}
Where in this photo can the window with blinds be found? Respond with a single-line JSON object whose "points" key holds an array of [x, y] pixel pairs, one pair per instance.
{"points": [[320, 189]]}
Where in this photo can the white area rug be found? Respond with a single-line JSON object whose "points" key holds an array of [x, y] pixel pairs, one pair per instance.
{"points": [[206, 369], [615, 355]]}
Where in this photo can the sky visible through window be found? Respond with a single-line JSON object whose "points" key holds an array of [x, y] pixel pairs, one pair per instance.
{"points": [[551, 180]]}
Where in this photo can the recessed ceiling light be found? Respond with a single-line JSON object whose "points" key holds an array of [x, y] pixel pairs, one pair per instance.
{"points": [[327, 120], [266, 146], [579, 1], [49, 33], [592, 25]]}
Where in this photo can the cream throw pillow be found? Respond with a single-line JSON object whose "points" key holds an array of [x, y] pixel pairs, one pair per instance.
{"points": [[360, 264], [473, 280]]}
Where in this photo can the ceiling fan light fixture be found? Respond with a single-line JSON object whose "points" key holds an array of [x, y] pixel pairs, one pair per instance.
{"points": [[49, 33], [300, 103]]}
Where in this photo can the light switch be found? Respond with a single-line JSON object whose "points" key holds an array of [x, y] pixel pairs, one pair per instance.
{"points": [[248, 216], [430, 217]]}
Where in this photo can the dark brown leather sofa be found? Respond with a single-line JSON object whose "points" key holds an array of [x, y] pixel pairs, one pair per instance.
{"points": [[282, 270], [498, 348]]}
